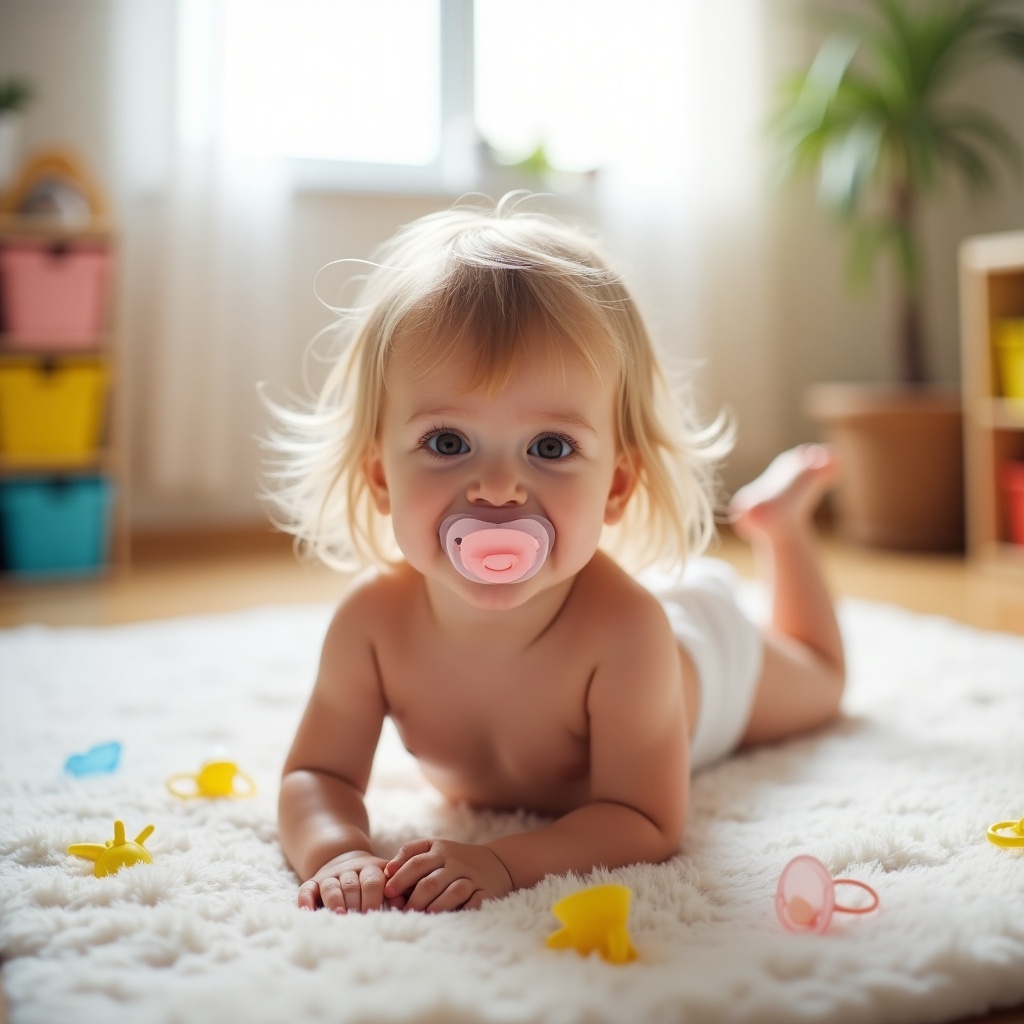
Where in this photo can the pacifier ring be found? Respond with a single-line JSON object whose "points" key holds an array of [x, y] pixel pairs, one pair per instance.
{"points": [[873, 905], [997, 833]]}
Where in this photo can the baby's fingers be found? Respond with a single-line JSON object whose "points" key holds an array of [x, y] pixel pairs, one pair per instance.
{"points": [[405, 854], [309, 896], [371, 884], [409, 871], [435, 897], [334, 897]]}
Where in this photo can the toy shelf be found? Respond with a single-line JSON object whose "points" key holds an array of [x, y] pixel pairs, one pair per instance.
{"points": [[991, 295], [63, 458]]}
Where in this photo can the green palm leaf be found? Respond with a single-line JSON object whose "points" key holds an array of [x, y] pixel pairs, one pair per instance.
{"points": [[873, 116]]}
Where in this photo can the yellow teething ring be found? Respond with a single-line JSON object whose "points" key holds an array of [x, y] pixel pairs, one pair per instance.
{"points": [[997, 833], [174, 781], [249, 781]]}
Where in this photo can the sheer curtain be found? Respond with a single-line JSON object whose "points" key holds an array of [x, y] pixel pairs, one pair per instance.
{"points": [[206, 235], [684, 199]]}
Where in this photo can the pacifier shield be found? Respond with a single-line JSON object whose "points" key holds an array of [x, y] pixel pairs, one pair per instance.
{"points": [[806, 897], [487, 552]]}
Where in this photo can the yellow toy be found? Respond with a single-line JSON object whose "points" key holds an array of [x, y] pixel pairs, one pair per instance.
{"points": [[595, 920], [215, 779], [115, 853], [997, 833]]}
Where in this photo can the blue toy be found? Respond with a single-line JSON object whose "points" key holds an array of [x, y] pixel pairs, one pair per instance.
{"points": [[102, 759]]}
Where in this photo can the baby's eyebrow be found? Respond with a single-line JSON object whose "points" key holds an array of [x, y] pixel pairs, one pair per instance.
{"points": [[562, 418], [440, 412]]}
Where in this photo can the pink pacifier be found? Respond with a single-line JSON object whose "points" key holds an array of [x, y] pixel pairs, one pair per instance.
{"points": [[806, 897], [497, 552]]}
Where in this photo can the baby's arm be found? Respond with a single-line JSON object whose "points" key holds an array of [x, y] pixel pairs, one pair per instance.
{"points": [[639, 771], [323, 821]]}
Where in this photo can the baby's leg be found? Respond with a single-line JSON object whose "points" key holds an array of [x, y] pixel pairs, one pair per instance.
{"points": [[804, 667]]}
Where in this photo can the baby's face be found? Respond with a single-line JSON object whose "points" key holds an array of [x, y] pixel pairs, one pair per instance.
{"points": [[544, 445]]}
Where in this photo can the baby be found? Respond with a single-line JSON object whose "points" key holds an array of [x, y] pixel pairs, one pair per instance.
{"points": [[498, 413]]}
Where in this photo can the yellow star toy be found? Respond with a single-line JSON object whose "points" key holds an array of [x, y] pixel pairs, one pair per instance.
{"points": [[594, 920], [115, 853]]}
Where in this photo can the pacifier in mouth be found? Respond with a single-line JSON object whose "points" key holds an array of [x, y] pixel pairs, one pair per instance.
{"points": [[486, 552]]}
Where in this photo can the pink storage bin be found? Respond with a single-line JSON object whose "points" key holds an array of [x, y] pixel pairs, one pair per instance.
{"points": [[53, 297]]}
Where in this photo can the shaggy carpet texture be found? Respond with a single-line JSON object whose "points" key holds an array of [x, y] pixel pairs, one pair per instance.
{"points": [[898, 794]]}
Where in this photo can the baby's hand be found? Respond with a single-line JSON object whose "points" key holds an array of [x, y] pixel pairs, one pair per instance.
{"points": [[352, 881], [438, 874]]}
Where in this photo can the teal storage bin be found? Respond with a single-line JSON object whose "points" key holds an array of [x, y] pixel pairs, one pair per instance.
{"points": [[55, 526]]}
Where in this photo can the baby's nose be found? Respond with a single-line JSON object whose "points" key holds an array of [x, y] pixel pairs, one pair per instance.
{"points": [[497, 487]]}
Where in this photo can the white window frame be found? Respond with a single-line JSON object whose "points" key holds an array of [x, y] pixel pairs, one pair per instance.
{"points": [[455, 170]]}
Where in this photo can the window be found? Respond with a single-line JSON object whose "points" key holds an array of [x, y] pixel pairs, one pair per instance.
{"points": [[407, 94]]}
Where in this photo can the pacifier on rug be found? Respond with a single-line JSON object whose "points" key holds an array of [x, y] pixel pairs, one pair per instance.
{"points": [[806, 897], [215, 779], [1007, 833], [486, 552]]}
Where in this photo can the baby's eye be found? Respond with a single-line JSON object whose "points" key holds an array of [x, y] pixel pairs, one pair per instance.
{"points": [[446, 442], [552, 446]]}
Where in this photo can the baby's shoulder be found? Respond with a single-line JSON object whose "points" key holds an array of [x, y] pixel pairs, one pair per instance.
{"points": [[375, 598], [615, 603]]}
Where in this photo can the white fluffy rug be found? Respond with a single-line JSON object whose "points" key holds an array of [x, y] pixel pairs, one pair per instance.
{"points": [[899, 795]]}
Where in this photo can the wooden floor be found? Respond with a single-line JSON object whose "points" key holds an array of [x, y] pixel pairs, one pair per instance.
{"points": [[190, 575], [198, 574]]}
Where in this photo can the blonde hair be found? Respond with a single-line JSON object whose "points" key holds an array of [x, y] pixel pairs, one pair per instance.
{"points": [[489, 279]]}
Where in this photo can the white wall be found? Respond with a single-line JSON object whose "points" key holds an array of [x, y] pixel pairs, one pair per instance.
{"points": [[827, 331], [820, 330]]}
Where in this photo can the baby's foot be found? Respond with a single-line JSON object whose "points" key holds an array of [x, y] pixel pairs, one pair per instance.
{"points": [[786, 494]]}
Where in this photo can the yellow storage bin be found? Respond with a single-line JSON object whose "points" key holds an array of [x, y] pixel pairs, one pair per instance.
{"points": [[1009, 343], [52, 410]]}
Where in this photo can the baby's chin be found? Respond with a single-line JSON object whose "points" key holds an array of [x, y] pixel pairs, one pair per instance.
{"points": [[496, 596]]}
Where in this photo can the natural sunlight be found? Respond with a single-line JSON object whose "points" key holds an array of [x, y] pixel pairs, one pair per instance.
{"points": [[317, 76], [358, 82]]}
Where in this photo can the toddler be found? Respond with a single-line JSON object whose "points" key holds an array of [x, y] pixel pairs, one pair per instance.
{"points": [[499, 412]]}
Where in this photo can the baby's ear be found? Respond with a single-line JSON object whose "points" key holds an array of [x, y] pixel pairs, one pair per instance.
{"points": [[373, 470], [621, 490]]}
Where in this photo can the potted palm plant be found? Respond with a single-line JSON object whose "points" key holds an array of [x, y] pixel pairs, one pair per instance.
{"points": [[876, 118]]}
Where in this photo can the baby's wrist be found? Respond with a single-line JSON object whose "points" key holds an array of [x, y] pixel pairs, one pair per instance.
{"points": [[497, 856]]}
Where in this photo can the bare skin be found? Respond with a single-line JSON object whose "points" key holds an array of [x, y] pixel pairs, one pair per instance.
{"points": [[804, 668], [566, 694]]}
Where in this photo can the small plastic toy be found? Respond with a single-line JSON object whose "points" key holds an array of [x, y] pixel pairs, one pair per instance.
{"points": [[806, 897], [97, 761], [216, 779], [594, 920], [997, 833], [486, 552], [115, 853]]}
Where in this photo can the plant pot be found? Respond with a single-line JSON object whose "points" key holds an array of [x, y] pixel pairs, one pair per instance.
{"points": [[902, 483]]}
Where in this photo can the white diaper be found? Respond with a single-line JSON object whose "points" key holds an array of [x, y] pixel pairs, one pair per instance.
{"points": [[726, 647]]}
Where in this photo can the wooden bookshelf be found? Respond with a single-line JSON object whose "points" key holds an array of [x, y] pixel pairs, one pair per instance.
{"points": [[108, 461], [991, 289]]}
